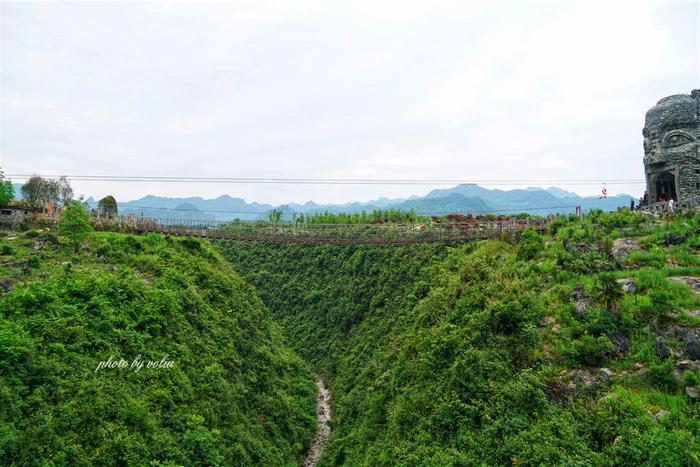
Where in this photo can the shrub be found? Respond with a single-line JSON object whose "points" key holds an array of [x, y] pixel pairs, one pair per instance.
{"points": [[663, 375], [6, 249], [691, 379], [530, 244], [591, 351], [608, 290], [75, 224]]}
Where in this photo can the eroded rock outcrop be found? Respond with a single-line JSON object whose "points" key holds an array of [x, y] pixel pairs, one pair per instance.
{"points": [[622, 247]]}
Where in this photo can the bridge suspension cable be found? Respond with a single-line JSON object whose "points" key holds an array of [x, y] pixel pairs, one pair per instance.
{"points": [[329, 181]]}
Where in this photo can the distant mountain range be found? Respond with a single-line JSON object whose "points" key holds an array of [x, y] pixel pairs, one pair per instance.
{"points": [[465, 198], [459, 199]]}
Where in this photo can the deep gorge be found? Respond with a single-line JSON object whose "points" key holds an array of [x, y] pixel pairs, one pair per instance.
{"points": [[458, 355]]}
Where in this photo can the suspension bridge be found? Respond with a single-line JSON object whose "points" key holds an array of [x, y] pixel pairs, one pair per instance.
{"points": [[274, 232]]}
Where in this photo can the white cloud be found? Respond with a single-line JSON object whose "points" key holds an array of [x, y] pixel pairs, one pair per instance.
{"points": [[359, 89]]}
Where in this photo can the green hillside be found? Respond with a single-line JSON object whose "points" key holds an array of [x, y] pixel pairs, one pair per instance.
{"points": [[235, 394], [497, 353]]}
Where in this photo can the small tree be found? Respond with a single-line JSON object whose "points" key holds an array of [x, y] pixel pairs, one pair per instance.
{"points": [[34, 189], [75, 224], [608, 290], [7, 192], [529, 245], [37, 188], [275, 215], [107, 206], [64, 192]]}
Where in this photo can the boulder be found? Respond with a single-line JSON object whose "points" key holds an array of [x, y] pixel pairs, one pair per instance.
{"points": [[622, 247], [673, 238], [692, 346], [693, 282], [581, 301], [692, 392], [685, 365], [5, 285], [621, 343], [661, 348], [661, 414], [627, 285]]}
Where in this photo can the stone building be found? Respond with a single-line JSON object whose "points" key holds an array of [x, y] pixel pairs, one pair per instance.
{"points": [[17, 214], [672, 149]]}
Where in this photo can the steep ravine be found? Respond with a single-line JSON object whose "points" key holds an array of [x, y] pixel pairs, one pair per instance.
{"points": [[478, 354]]}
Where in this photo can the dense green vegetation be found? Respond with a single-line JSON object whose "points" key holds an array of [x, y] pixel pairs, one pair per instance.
{"points": [[235, 394], [376, 216], [498, 353], [523, 351], [381, 216]]}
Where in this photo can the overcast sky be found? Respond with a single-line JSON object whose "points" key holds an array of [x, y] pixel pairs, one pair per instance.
{"points": [[423, 90]]}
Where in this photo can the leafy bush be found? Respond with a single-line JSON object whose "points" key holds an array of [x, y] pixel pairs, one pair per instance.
{"points": [[591, 351], [691, 378], [608, 290], [75, 224], [529, 245], [663, 375]]}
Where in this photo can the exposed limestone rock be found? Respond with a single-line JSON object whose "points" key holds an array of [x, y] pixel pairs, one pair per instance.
{"points": [[622, 247], [673, 238], [581, 301], [660, 415], [661, 348], [621, 343], [692, 346], [628, 285], [569, 381], [5, 285], [692, 392], [689, 338], [693, 282], [686, 365]]}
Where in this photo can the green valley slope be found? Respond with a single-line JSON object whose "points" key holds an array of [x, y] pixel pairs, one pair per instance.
{"points": [[235, 394]]}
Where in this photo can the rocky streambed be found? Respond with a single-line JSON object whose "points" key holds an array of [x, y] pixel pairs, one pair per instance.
{"points": [[323, 416]]}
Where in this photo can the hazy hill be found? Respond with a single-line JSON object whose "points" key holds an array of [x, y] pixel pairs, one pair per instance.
{"points": [[183, 211], [453, 202], [461, 198], [223, 207]]}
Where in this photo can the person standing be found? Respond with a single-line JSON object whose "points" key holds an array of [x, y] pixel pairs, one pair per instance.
{"points": [[670, 205], [631, 204]]}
